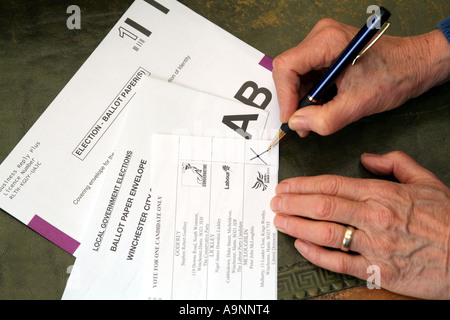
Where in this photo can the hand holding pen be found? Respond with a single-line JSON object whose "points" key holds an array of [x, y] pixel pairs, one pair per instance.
{"points": [[381, 79]]}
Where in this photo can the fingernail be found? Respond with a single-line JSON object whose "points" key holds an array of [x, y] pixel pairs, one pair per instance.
{"points": [[275, 204], [280, 222], [367, 154], [284, 116], [302, 246], [282, 187]]}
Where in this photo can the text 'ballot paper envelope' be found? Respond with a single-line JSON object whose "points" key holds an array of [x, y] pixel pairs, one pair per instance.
{"points": [[214, 235], [51, 178], [109, 263]]}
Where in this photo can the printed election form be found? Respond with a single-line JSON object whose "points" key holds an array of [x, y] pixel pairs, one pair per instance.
{"points": [[118, 239], [51, 180], [214, 237]]}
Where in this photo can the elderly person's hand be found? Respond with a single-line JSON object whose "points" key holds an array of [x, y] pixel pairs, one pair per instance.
{"points": [[402, 228], [391, 72]]}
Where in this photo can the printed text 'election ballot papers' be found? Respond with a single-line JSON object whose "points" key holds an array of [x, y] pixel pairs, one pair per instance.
{"points": [[213, 236], [109, 261], [51, 178]]}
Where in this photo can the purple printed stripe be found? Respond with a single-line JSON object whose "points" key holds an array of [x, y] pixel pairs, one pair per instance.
{"points": [[266, 62], [53, 234]]}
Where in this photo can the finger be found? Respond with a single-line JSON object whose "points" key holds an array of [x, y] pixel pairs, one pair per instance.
{"points": [[348, 188], [322, 233], [307, 55], [287, 68], [318, 50], [321, 207], [300, 60], [332, 25], [328, 118], [287, 84], [398, 163], [335, 261]]}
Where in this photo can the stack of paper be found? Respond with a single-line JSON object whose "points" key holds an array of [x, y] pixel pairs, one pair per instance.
{"points": [[167, 178]]}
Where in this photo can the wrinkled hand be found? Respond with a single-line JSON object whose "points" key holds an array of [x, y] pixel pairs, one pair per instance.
{"points": [[403, 228], [394, 70]]}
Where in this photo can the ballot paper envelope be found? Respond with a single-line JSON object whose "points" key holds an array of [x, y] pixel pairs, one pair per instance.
{"points": [[138, 214]]}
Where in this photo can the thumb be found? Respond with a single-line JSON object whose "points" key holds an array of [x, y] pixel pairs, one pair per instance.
{"points": [[324, 119], [398, 163]]}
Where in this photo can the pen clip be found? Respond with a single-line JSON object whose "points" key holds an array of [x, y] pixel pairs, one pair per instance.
{"points": [[372, 43]]}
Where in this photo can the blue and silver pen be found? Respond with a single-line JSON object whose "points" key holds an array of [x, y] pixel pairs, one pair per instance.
{"points": [[349, 56]]}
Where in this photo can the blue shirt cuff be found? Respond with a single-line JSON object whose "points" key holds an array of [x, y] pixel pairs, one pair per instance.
{"points": [[444, 26]]}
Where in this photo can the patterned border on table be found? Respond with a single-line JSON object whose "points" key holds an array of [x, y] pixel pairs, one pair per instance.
{"points": [[304, 280]]}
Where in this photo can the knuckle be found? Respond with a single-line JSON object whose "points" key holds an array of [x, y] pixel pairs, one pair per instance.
{"points": [[324, 127], [325, 208], [329, 235], [393, 213], [292, 227], [280, 62], [325, 23], [384, 217], [287, 204], [397, 154], [330, 185], [331, 29], [342, 265], [326, 121]]}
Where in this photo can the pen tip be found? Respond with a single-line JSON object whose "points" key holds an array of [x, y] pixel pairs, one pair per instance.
{"points": [[277, 139], [273, 144]]}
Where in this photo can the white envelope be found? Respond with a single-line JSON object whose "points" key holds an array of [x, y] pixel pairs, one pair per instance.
{"points": [[51, 179]]}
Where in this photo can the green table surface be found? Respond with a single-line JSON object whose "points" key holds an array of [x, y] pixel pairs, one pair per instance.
{"points": [[39, 55]]}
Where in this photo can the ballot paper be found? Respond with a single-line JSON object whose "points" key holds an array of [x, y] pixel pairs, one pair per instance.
{"points": [[213, 236], [109, 263], [51, 179]]}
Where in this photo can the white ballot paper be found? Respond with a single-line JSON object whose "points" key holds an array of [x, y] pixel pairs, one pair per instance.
{"points": [[214, 237], [109, 263], [51, 179]]}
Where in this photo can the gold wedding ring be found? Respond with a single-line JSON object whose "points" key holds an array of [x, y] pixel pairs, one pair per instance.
{"points": [[345, 246]]}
